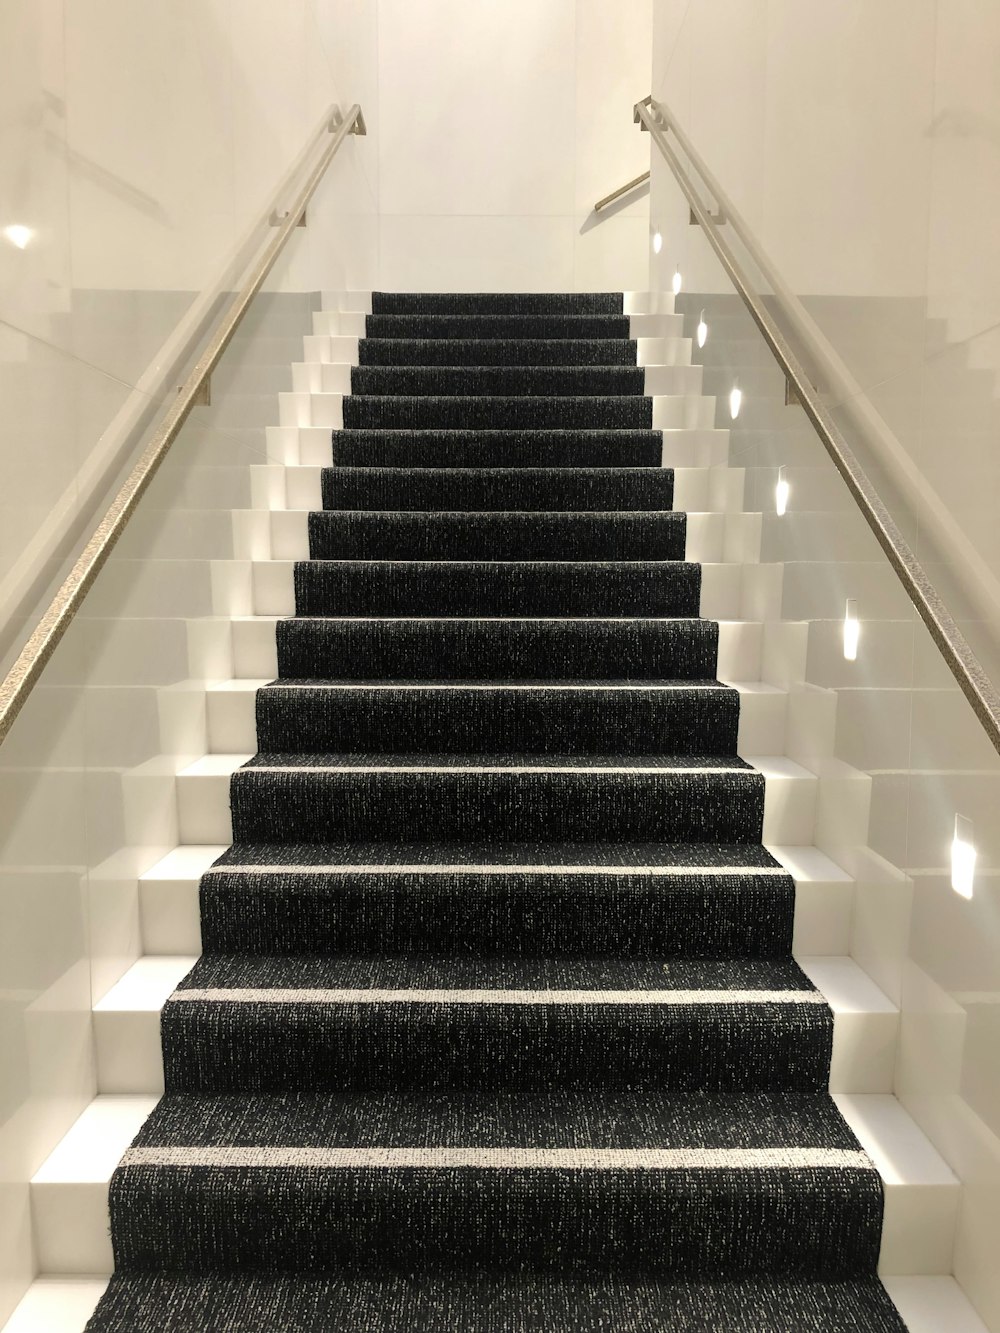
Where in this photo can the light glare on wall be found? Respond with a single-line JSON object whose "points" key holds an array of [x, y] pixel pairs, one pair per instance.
{"points": [[678, 281], [657, 242], [702, 330], [963, 857], [735, 400], [18, 235], [852, 630], [781, 493]]}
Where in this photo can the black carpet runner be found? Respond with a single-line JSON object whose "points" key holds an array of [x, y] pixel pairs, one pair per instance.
{"points": [[497, 1027]]}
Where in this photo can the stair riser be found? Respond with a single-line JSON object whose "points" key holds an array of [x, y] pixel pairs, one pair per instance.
{"points": [[675, 445], [520, 490], [709, 538], [204, 815], [319, 1047], [484, 589], [724, 591], [476, 536], [459, 378], [635, 326], [171, 919], [506, 806], [456, 721], [667, 1223], [232, 727], [627, 412]]}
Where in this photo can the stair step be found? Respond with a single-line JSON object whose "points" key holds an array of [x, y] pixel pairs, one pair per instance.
{"points": [[171, 922], [353, 324], [69, 1193], [127, 1021], [385, 412], [672, 446], [464, 378], [232, 708], [419, 648]]}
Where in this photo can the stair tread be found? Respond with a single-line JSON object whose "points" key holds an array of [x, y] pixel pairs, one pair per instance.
{"points": [[562, 980], [498, 762], [481, 1303], [607, 1118], [645, 857]]}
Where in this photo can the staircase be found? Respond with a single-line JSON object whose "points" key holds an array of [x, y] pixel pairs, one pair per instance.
{"points": [[496, 1022]]}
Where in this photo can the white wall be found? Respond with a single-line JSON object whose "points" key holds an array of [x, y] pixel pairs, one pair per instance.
{"points": [[499, 126], [861, 142], [139, 144]]}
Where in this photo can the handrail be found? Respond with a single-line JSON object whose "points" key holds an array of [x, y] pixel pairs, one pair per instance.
{"points": [[622, 189], [30, 662], [954, 647]]}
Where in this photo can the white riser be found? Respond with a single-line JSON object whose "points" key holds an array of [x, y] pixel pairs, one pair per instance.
{"points": [[232, 723], [351, 324], [729, 591], [171, 923], [129, 1053], [790, 799], [748, 649], [65, 1304], [687, 446], [715, 490], [326, 377], [670, 411]]}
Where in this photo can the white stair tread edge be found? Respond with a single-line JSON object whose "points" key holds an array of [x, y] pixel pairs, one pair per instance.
{"points": [[56, 1305], [94, 1144], [64, 1305], [151, 980], [933, 1305], [185, 863], [92, 1148], [894, 1141]]}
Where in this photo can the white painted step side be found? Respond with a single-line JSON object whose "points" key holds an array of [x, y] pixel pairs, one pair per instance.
{"points": [[824, 901], [323, 348], [65, 1304], [933, 1305], [129, 1054], [922, 1193], [57, 1305], [169, 915], [358, 301], [69, 1192]]}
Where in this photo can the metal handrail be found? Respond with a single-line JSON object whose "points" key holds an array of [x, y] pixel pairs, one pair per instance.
{"points": [[28, 666], [972, 679], [622, 189]]}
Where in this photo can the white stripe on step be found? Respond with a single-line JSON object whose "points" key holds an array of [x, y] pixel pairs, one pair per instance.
{"points": [[513, 868], [374, 995], [579, 1159]]}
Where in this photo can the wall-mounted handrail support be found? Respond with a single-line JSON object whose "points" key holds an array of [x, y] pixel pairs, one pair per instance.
{"points": [[622, 189], [975, 684], [30, 662]]}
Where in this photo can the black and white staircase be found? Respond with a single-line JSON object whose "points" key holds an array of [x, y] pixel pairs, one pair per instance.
{"points": [[496, 1024]]}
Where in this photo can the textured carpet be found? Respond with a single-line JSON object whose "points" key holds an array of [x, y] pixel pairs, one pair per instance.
{"points": [[497, 1028]]}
